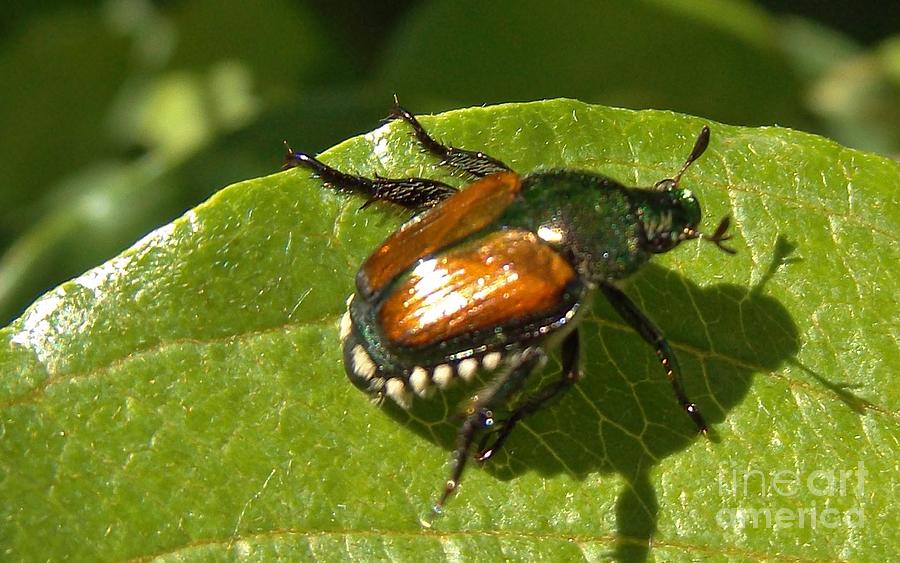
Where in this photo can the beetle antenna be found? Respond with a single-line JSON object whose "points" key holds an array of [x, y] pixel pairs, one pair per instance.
{"points": [[699, 148]]}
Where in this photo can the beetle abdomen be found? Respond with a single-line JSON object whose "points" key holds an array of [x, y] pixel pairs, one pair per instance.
{"points": [[373, 369]]}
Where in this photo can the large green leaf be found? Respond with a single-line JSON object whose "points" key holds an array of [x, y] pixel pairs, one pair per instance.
{"points": [[186, 399]]}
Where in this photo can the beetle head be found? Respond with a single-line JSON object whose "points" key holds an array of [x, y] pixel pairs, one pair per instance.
{"points": [[671, 214], [668, 215]]}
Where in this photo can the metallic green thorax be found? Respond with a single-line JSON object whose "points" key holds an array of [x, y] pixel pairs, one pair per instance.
{"points": [[608, 231]]}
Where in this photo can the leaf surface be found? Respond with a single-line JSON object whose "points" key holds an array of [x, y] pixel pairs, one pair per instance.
{"points": [[187, 400]]}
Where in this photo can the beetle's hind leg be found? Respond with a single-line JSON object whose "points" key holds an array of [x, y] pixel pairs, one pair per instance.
{"points": [[479, 415], [475, 163], [571, 374], [411, 193]]}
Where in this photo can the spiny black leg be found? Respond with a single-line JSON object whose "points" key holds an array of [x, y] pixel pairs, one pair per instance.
{"points": [[475, 163], [571, 374], [479, 419], [479, 415], [649, 332], [412, 193]]}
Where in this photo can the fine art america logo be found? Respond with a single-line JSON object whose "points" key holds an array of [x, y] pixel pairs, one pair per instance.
{"points": [[822, 491]]}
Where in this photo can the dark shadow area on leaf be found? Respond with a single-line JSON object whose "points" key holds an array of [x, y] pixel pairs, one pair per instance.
{"points": [[623, 417]]}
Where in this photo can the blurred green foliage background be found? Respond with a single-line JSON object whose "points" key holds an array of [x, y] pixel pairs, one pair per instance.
{"points": [[119, 115]]}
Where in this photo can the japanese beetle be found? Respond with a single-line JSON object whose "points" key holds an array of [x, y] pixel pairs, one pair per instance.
{"points": [[491, 277]]}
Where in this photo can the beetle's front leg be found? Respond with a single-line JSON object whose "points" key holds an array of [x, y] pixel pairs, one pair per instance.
{"points": [[571, 374], [650, 333], [479, 414]]}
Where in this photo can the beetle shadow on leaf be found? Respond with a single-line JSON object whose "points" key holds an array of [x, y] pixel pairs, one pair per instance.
{"points": [[623, 416]]}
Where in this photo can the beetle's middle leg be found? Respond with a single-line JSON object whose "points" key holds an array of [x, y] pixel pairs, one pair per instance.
{"points": [[475, 163], [652, 335], [571, 374]]}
